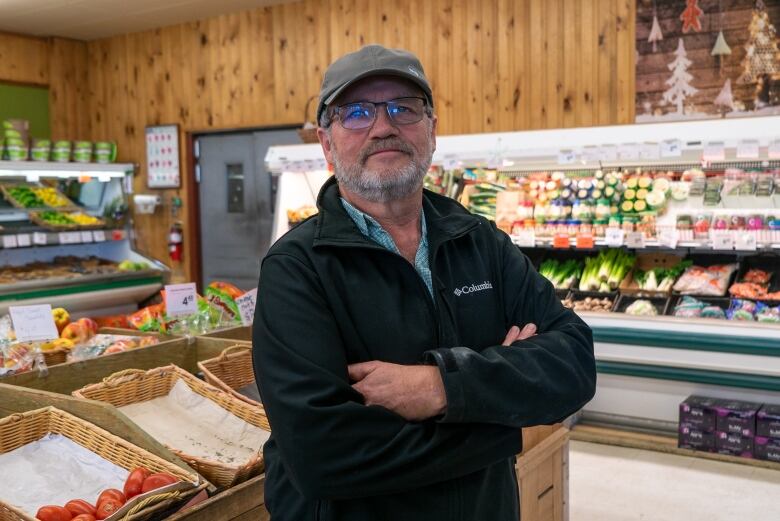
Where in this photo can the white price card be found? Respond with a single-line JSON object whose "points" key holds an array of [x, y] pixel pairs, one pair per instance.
{"points": [[774, 150], [33, 323], [668, 236], [181, 299], [525, 238], [86, 236], [635, 240], [650, 151], [671, 148], [722, 240], [23, 240], [746, 241], [99, 236], [628, 151], [566, 157], [246, 306], [614, 236], [9, 241], [63, 237], [591, 154], [747, 150], [608, 153], [714, 151], [450, 162], [39, 238]]}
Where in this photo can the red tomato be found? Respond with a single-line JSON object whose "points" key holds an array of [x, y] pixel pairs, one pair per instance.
{"points": [[84, 517], [112, 493], [135, 482], [106, 508], [53, 513], [79, 506], [158, 480]]}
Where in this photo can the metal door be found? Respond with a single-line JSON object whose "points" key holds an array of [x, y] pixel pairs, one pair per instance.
{"points": [[236, 203]]}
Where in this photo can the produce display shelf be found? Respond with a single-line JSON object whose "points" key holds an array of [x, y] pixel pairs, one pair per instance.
{"points": [[37, 236], [649, 244], [66, 286], [32, 169]]}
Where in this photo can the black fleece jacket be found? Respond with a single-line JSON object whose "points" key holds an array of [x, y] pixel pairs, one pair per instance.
{"points": [[330, 297]]}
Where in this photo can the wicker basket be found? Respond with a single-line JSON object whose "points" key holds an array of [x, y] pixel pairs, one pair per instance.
{"points": [[46, 225], [20, 429], [7, 194], [134, 386], [308, 135], [231, 371]]}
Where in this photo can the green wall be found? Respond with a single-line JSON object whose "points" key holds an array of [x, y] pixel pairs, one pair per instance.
{"points": [[30, 103]]}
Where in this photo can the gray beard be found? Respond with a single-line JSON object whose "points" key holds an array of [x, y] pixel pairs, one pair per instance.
{"points": [[381, 186]]}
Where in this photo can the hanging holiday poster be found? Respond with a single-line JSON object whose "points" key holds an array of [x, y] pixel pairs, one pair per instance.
{"points": [[700, 59]]}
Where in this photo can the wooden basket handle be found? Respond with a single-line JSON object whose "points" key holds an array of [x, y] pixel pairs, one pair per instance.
{"points": [[233, 349], [120, 374], [148, 501]]}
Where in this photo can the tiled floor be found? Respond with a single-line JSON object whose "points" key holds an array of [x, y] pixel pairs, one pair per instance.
{"points": [[610, 483]]}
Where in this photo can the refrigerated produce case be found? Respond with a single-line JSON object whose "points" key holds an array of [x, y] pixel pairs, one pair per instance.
{"points": [[86, 263], [647, 365]]}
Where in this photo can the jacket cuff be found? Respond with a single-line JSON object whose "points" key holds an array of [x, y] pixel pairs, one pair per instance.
{"points": [[445, 359]]}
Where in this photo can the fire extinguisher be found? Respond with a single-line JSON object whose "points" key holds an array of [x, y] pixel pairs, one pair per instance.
{"points": [[175, 242]]}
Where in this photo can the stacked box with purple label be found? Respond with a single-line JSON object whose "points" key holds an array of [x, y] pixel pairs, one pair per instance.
{"points": [[731, 427]]}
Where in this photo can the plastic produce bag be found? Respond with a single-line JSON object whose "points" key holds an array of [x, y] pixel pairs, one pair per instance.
{"points": [[712, 281]]}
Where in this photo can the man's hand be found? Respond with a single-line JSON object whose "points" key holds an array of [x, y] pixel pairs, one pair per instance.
{"points": [[415, 392], [515, 334]]}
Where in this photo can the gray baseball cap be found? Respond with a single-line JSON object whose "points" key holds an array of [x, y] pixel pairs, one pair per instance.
{"points": [[371, 60]]}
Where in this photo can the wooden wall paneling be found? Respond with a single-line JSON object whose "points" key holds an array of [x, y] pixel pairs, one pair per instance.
{"points": [[607, 60], [24, 59], [443, 82], [588, 74], [488, 75], [569, 64], [521, 66], [538, 70], [553, 52], [69, 89], [474, 84], [625, 24]]}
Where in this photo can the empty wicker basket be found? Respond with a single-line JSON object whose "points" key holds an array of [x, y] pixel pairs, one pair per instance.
{"points": [[20, 429], [134, 386], [231, 370]]}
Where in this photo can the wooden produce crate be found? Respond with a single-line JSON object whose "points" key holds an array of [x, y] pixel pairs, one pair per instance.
{"points": [[66, 378], [241, 333], [647, 262], [20, 429], [542, 475], [244, 502], [134, 386], [231, 371]]}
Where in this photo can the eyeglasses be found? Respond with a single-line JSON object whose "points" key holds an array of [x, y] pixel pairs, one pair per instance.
{"points": [[362, 114]]}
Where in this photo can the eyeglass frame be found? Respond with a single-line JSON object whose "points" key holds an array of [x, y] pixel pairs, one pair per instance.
{"points": [[332, 113]]}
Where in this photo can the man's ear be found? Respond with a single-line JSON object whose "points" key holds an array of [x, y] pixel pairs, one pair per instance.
{"points": [[327, 147], [435, 121]]}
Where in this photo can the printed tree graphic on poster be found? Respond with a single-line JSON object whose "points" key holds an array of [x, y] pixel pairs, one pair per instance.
{"points": [[762, 56], [680, 81]]}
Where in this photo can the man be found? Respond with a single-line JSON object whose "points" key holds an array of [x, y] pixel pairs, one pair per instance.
{"points": [[386, 345]]}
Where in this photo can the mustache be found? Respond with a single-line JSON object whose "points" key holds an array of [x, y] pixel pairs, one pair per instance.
{"points": [[391, 143]]}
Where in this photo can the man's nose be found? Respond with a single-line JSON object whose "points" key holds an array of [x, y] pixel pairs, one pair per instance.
{"points": [[383, 126]]}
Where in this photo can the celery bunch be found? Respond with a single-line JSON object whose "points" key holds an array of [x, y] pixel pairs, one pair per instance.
{"points": [[604, 272]]}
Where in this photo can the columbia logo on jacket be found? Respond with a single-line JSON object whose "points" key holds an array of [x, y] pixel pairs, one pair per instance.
{"points": [[465, 290]]}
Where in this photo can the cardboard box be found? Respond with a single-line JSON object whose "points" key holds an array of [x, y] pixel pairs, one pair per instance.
{"points": [[690, 437], [699, 412], [734, 444], [737, 417], [647, 262], [768, 421], [766, 448]]}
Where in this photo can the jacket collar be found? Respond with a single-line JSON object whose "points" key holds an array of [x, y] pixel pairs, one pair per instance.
{"points": [[445, 218]]}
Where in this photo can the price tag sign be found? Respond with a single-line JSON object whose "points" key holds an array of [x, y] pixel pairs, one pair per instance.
{"points": [[86, 236], [608, 153], [722, 240], [584, 241], [714, 151], [635, 240], [63, 237], [747, 150], [450, 162], [525, 237], [33, 323], [246, 306], [628, 151], [668, 237], [671, 148], [181, 299], [566, 157], [99, 236], [561, 240], [774, 150], [9, 241], [40, 239], [650, 151], [591, 154], [614, 236], [746, 241], [23, 240]]}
